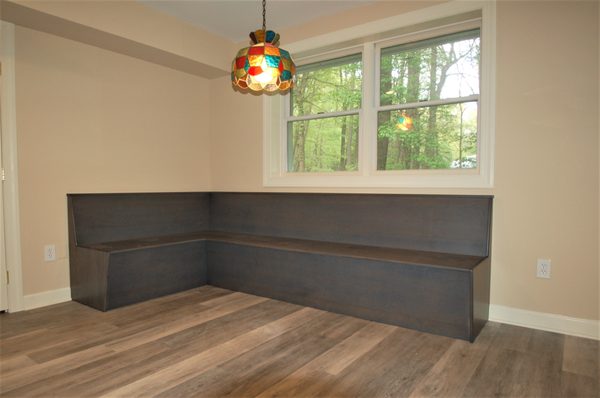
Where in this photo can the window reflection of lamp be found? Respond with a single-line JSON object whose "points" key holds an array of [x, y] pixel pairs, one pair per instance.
{"points": [[405, 122]]}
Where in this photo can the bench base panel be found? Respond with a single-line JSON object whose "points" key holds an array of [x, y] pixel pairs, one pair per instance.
{"points": [[428, 299], [134, 276]]}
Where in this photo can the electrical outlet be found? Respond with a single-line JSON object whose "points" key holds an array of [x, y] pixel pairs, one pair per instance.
{"points": [[49, 253], [543, 268]]}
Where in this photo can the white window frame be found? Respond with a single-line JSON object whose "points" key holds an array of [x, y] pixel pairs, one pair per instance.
{"points": [[275, 172]]}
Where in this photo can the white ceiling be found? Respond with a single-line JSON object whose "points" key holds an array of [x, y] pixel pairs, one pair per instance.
{"points": [[234, 19]]}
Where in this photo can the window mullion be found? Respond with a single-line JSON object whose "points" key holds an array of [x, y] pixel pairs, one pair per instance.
{"points": [[368, 120], [284, 148]]}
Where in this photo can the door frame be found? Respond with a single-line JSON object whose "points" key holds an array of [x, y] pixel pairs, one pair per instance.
{"points": [[12, 228], [3, 270]]}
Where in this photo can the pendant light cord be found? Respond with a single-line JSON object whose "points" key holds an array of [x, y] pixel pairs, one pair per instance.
{"points": [[264, 4]]}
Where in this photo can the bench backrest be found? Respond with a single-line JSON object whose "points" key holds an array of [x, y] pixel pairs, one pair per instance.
{"points": [[98, 218], [440, 223]]}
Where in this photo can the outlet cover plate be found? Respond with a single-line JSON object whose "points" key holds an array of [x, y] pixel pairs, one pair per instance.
{"points": [[49, 253], [544, 267]]}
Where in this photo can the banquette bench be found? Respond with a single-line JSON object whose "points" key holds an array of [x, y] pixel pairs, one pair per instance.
{"points": [[418, 261]]}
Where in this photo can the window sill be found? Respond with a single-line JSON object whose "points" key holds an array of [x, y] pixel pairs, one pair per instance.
{"points": [[391, 179]]}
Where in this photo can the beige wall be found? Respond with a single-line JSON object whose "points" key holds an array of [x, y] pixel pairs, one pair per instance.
{"points": [[90, 120], [546, 180], [548, 205]]}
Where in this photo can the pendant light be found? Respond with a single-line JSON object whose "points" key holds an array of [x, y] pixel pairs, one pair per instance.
{"points": [[263, 67]]}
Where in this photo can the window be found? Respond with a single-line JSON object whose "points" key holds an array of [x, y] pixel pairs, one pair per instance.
{"points": [[428, 95], [323, 117], [408, 109]]}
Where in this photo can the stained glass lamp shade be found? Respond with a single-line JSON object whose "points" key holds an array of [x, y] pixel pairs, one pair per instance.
{"points": [[263, 66]]}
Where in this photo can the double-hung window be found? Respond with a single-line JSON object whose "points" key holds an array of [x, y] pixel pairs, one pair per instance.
{"points": [[396, 111], [428, 95], [323, 116]]}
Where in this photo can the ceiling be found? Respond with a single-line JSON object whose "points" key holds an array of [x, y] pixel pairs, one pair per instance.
{"points": [[234, 19]]}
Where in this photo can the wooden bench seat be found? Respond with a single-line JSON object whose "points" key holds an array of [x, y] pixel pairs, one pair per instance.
{"points": [[416, 261], [145, 243], [402, 256]]}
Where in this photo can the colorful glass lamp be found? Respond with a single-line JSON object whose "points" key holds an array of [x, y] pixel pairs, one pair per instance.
{"points": [[263, 67]]}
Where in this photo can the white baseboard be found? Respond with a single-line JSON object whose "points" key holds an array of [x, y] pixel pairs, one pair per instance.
{"points": [[588, 328], [49, 297]]}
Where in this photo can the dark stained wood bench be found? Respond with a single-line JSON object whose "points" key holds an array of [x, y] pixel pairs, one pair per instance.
{"points": [[118, 250], [410, 260]]}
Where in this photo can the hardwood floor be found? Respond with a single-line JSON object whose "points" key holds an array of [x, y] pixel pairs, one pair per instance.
{"points": [[214, 342]]}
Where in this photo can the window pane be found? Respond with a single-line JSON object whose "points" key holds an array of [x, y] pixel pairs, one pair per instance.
{"points": [[323, 145], [444, 67], [435, 137], [329, 86]]}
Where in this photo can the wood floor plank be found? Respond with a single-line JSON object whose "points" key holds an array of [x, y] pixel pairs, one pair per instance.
{"points": [[57, 314], [450, 375], [580, 356], [138, 333], [76, 340], [51, 336], [384, 372], [201, 337], [520, 362], [92, 327], [60, 385], [233, 303], [575, 385], [185, 344], [508, 373], [185, 370], [52, 369], [254, 371], [119, 368], [502, 373], [331, 362], [349, 350], [20, 344], [159, 307], [17, 363]]}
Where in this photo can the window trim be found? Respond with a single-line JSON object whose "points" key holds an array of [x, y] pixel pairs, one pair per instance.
{"points": [[275, 130]]}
